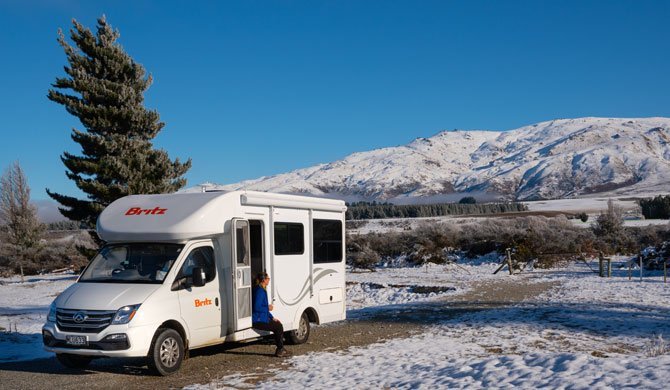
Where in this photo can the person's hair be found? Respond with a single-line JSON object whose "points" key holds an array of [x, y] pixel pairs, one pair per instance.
{"points": [[260, 277]]}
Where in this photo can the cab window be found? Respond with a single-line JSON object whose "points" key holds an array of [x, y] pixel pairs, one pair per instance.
{"points": [[202, 257]]}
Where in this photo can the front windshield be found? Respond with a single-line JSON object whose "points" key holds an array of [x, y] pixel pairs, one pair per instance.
{"points": [[132, 263]]}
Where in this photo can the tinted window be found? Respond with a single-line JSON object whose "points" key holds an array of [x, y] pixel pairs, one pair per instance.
{"points": [[327, 241], [202, 257], [289, 238]]}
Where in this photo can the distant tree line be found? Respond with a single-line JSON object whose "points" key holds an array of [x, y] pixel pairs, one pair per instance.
{"points": [[65, 225], [656, 208], [365, 210]]}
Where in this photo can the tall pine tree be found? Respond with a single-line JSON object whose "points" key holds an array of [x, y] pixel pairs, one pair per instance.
{"points": [[104, 88]]}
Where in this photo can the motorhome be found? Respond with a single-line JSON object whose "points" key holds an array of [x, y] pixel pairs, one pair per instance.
{"points": [[176, 274]]}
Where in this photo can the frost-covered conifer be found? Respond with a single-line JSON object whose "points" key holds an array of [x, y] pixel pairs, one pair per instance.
{"points": [[17, 214], [104, 88]]}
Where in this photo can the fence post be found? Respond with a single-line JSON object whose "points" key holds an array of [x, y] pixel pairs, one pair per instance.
{"points": [[609, 267], [509, 261], [665, 270], [639, 258], [601, 271], [630, 269]]}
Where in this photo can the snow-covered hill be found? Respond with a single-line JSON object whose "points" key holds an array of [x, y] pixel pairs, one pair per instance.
{"points": [[554, 159]]}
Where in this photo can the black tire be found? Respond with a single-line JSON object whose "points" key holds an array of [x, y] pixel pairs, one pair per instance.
{"points": [[166, 352], [73, 361], [300, 335]]}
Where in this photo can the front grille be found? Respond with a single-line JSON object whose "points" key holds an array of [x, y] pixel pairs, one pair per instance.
{"points": [[94, 320]]}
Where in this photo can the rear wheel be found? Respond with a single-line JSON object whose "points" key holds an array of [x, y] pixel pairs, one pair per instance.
{"points": [[300, 335], [166, 352], [73, 361]]}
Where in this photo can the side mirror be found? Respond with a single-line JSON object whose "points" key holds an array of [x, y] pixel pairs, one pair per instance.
{"points": [[199, 277]]}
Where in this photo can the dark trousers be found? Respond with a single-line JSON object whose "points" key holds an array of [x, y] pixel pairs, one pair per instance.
{"points": [[275, 327]]}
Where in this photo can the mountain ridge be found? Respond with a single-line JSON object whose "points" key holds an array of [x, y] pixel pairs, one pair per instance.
{"points": [[547, 160]]}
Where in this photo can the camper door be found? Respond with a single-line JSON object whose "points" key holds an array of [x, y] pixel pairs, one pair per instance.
{"points": [[241, 274]]}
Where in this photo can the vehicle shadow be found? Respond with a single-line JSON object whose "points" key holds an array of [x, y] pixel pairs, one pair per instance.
{"points": [[132, 366], [233, 348], [127, 366]]}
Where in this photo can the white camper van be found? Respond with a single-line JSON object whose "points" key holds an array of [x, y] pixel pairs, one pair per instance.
{"points": [[176, 274]]}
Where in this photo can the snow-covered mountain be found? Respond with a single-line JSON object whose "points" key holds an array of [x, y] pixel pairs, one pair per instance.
{"points": [[554, 159]]}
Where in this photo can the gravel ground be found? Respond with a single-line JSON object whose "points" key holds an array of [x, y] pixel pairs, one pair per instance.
{"points": [[365, 326]]}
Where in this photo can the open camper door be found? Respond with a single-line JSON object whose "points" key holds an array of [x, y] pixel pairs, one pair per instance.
{"points": [[241, 274]]}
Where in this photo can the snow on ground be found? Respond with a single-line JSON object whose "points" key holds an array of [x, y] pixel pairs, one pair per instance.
{"points": [[589, 205], [646, 222], [397, 285], [591, 332], [23, 310], [24, 306]]}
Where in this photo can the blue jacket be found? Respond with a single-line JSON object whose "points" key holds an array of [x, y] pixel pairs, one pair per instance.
{"points": [[261, 309]]}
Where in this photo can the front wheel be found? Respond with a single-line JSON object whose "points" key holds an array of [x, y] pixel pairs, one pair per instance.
{"points": [[300, 335], [73, 361], [166, 352]]}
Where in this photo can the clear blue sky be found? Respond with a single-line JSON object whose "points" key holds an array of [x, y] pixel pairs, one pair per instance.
{"points": [[255, 88]]}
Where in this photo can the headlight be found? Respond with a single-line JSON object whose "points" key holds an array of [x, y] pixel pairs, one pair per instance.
{"points": [[125, 314], [51, 317]]}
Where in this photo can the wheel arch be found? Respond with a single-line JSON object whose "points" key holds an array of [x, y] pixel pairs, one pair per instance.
{"points": [[176, 325], [312, 314]]}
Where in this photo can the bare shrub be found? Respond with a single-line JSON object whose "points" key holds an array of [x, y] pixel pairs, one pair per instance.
{"points": [[549, 240], [432, 243], [532, 237], [359, 253], [610, 230], [651, 235], [657, 346]]}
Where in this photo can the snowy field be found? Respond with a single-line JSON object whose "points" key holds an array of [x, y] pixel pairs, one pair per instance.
{"points": [[588, 205], [24, 305], [23, 311], [396, 285], [589, 332]]}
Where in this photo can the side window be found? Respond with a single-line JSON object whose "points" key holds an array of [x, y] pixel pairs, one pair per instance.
{"points": [[202, 257], [327, 241], [289, 238]]}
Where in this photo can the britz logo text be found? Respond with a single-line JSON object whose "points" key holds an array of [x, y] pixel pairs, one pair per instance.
{"points": [[206, 302], [141, 211]]}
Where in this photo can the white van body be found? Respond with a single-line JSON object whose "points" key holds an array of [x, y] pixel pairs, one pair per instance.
{"points": [[247, 232]]}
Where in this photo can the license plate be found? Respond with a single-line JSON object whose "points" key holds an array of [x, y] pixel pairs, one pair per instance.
{"points": [[76, 340]]}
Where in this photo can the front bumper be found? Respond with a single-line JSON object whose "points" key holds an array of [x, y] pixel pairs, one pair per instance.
{"points": [[136, 344]]}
